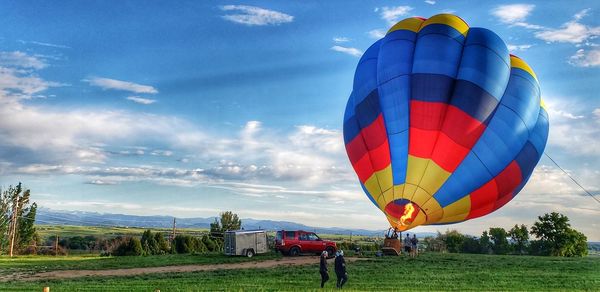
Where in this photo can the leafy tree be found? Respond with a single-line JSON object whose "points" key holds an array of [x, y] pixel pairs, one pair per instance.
{"points": [[436, 244], [556, 237], [576, 244], [228, 221], [5, 208], [484, 243], [134, 247], [16, 199], [470, 245], [161, 243], [26, 228], [209, 243], [500, 243], [149, 243], [520, 237], [129, 246], [453, 240], [188, 244]]}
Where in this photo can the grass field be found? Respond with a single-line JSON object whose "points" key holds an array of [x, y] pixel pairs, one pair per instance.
{"points": [[46, 231], [432, 271], [32, 264]]}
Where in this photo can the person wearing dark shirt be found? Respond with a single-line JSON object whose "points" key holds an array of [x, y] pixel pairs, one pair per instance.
{"points": [[414, 245], [323, 268], [340, 269], [407, 245]]}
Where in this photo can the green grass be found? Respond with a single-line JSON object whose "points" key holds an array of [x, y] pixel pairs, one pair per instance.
{"points": [[46, 231], [31, 264], [457, 272]]}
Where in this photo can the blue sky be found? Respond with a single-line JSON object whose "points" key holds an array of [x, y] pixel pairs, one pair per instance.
{"points": [[145, 107]]}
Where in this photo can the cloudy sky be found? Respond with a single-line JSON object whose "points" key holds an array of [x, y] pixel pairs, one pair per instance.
{"points": [[142, 107]]}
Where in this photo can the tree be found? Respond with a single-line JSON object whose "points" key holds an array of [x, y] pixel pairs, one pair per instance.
{"points": [[228, 221], [26, 228], [188, 244], [470, 245], [435, 243], [5, 219], [134, 247], [520, 237], [149, 243], [556, 237], [209, 243], [17, 230], [161, 243], [500, 243], [453, 240], [484, 243]]}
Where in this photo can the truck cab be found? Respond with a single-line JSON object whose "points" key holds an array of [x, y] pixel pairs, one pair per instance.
{"points": [[297, 242]]}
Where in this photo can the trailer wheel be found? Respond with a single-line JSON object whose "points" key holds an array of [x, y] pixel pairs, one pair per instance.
{"points": [[294, 251], [249, 253]]}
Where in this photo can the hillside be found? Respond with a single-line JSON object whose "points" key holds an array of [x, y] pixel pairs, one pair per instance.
{"points": [[47, 216]]}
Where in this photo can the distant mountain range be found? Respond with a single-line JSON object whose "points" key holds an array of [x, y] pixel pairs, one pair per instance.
{"points": [[47, 216]]}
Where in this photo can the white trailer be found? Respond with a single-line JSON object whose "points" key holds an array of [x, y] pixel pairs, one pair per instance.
{"points": [[245, 242]]}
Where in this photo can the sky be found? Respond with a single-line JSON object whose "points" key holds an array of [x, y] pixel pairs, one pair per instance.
{"points": [[192, 108]]}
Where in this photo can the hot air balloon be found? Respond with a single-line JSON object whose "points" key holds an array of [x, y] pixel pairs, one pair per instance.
{"points": [[443, 125]]}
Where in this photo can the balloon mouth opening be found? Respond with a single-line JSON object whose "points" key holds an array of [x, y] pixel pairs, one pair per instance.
{"points": [[403, 211]]}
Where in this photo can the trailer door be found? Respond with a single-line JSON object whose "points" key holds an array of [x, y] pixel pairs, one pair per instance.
{"points": [[261, 242]]}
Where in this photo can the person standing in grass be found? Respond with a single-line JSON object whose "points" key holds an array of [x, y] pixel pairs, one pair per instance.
{"points": [[323, 268], [407, 244], [340, 269], [414, 241]]}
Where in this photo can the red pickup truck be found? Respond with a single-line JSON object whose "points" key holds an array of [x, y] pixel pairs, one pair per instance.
{"points": [[296, 242]]}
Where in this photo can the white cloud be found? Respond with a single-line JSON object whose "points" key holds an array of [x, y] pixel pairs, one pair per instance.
{"points": [[141, 100], [101, 182], [583, 58], [563, 114], [348, 50], [89, 205], [581, 14], [513, 13], [165, 153], [596, 112], [16, 79], [107, 83], [430, 2], [341, 39], [61, 134], [571, 128], [570, 32], [376, 33], [15, 84], [392, 14], [515, 48], [21, 60], [252, 15], [44, 44]]}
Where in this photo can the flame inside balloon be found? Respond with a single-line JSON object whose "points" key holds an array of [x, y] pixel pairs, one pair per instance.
{"points": [[403, 213], [408, 212]]}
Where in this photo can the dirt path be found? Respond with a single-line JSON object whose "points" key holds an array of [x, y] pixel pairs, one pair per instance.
{"points": [[69, 274]]}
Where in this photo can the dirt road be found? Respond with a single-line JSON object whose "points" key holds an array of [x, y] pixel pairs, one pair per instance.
{"points": [[69, 274]]}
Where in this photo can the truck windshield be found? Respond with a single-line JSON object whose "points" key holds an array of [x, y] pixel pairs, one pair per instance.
{"points": [[279, 235]]}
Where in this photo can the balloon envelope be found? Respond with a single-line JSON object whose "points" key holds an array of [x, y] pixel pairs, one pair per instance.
{"points": [[443, 124]]}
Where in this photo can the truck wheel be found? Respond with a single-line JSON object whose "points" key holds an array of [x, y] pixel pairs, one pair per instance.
{"points": [[330, 252], [249, 253], [294, 251]]}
